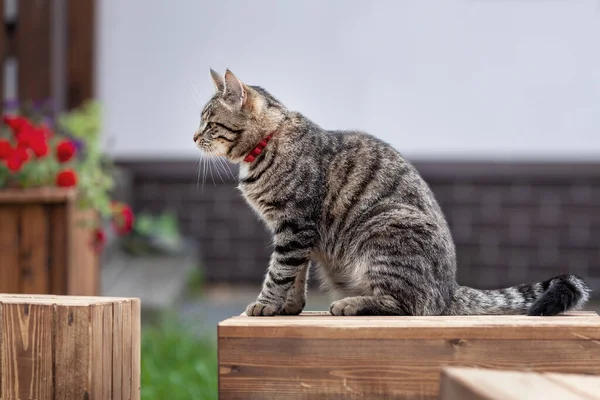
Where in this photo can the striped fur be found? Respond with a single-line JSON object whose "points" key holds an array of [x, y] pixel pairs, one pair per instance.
{"points": [[352, 208]]}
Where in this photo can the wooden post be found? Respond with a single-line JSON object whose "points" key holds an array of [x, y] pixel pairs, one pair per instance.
{"points": [[3, 53], [81, 47], [69, 348], [33, 51], [53, 45], [482, 384], [320, 356]]}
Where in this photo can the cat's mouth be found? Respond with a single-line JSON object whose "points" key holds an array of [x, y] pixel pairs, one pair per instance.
{"points": [[211, 149]]}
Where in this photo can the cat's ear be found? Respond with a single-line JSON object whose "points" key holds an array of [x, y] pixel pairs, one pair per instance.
{"points": [[217, 80], [235, 93]]}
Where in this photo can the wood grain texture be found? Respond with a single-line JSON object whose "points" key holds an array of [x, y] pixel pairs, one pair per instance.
{"points": [[117, 351], [136, 338], [26, 366], [44, 195], [84, 264], [96, 351], [52, 239], [9, 249], [58, 248], [75, 326], [81, 24], [33, 249], [315, 357], [82, 339], [325, 326], [127, 339], [483, 384], [34, 50], [107, 351]]}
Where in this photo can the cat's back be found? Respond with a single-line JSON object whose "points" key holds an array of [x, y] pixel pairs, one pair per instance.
{"points": [[366, 178], [362, 168]]}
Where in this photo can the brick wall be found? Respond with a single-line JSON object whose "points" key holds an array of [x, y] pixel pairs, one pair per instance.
{"points": [[512, 223]]}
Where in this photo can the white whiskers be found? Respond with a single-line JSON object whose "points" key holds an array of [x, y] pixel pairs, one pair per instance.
{"points": [[208, 163]]}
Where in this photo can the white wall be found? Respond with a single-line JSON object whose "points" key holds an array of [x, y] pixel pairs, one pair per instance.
{"points": [[487, 79]]}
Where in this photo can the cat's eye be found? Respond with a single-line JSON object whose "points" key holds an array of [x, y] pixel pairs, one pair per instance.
{"points": [[212, 124]]}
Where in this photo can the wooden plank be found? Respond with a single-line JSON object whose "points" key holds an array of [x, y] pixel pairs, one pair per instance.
{"points": [[454, 389], [97, 352], [33, 248], [81, 24], [587, 386], [107, 351], [482, 384], [295, 368], [59, 242], [117, 351], [127, 352], [76, 331], [44, 195], [84, 263], [136, 339], [9, 248], [26, 366], [321, 326], [33, 37]]}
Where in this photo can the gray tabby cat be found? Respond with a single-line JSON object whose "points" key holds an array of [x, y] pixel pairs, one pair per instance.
{"points": [[351, 205]]}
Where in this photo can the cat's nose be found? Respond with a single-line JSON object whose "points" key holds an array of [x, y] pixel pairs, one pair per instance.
{"points": [[196, 136]]}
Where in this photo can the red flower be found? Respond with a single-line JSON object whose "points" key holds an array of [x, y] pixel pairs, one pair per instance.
{"points": [[24, 138], [14, 162], [123, 218], [65, 151], [99, 240], [40, 149], [17, 124], [66, 178], [32, 138], [5, 149], [22, 154]]}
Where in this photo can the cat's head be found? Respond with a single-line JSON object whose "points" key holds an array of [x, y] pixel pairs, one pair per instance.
{"points": [[236, 118]]}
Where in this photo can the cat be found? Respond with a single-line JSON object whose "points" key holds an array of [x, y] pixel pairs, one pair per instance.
{"points": [[350, 206]]}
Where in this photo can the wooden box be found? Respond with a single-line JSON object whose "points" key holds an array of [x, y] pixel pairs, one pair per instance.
{"points": [[69, 348], [314, 356], [484, 384], [45, 245]]}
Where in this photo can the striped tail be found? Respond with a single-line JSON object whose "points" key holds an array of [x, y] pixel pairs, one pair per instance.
{"points": [[554, 296]]}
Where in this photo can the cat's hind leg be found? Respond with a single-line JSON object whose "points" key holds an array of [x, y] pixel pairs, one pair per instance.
{"points": [[367, 305], [398, 285]]}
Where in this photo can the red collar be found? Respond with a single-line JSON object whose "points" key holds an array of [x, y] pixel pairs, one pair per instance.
{"points": [[258, 149]]}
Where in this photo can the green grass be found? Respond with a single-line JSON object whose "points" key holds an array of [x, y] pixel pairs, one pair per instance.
{"points": [[177, 364], [195, 282]]}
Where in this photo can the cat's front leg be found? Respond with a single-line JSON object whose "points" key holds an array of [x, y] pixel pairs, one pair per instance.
{"points": [[280, 280], [283, 290], [296, 297]]}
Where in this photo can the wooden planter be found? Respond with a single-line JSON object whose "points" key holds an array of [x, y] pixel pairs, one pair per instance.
{"points": [[44, 249]]}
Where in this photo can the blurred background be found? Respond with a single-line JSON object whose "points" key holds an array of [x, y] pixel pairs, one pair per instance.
{"points": [[496, 102]]}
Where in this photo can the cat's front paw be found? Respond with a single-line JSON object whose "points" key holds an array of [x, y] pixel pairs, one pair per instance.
{"points": [[258, 309]]}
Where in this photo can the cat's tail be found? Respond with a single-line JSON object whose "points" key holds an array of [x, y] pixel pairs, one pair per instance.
{"points": [[554, 296]]}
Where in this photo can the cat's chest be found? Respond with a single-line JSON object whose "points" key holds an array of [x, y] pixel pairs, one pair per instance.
{"points": [[262, 208]]}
